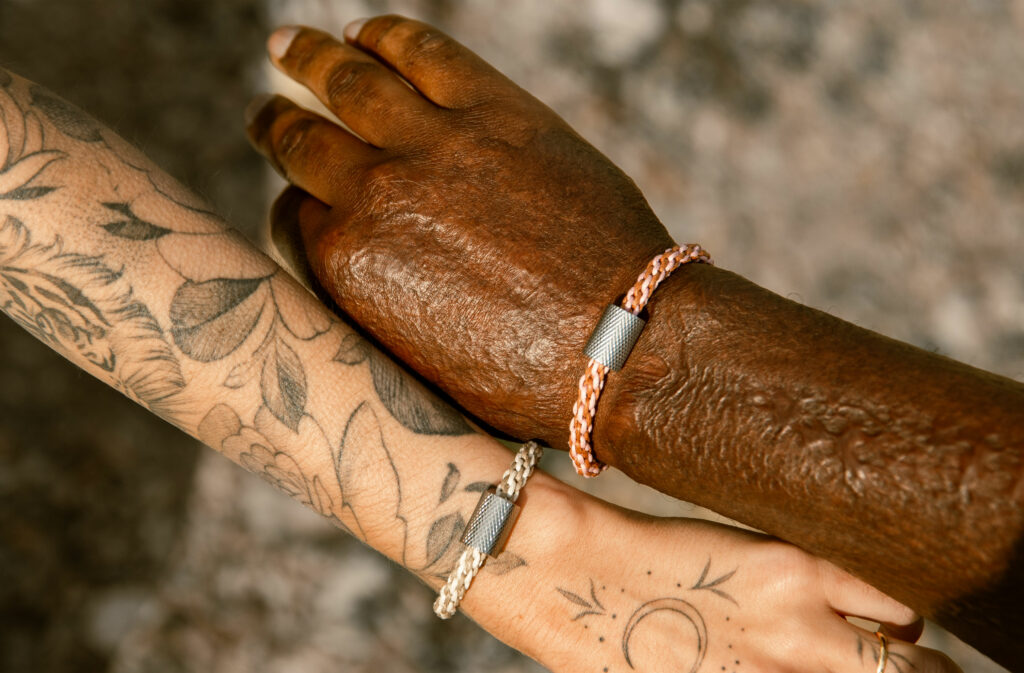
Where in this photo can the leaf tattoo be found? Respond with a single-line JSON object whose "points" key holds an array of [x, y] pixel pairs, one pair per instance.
{"points": [[451, 482], [131, 227], [713, 585], [353, 350], [370, 487], [210, 320], [283, 384], [506, 563], [68, 119], [575, 598], [408, 402], [27, 193], [589, 607], [443, 535]]}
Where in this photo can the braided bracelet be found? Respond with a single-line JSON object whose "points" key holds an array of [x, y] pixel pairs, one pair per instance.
{"points": [[488, 528], [610, 344]]}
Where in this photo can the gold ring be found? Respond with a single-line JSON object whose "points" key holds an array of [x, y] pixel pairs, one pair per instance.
{"points": [[883, 652]]}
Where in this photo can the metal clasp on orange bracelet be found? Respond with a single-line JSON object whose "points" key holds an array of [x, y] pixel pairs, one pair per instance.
{"points": [[609, 346]]}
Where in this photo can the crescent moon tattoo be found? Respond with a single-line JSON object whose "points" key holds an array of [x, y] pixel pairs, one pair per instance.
{"points": [[679, 606]]}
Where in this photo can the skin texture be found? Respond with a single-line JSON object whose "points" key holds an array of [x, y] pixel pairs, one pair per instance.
{"points": [[127, 274], [446, 234]]}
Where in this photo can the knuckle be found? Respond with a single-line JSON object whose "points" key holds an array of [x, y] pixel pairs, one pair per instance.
{"points": [[385, 186], [350, 82], [380, 28], [309, 50], [293, 139], [427, 44]]}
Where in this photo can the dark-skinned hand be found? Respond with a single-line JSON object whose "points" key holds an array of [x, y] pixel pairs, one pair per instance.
{"points": [[461, 222]]}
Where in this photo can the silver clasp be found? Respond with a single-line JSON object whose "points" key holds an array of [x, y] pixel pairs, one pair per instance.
{"points": [[491, 523], [614, 337]]}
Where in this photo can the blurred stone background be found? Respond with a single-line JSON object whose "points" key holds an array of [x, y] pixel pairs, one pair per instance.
{"points": [[866, 158]]}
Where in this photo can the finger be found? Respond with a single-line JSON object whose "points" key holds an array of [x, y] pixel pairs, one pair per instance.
{"points": [[363, 92], [294, 216], [910, 633], [853, 597], [293, 213], [865, 649], [306, 149], [444, 70]]}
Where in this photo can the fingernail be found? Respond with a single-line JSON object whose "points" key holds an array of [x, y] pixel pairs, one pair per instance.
{"points": [[352, 29], [280, 40], [255, 106]]}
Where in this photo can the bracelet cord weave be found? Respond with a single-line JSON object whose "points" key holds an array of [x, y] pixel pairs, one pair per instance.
{"points": [[592, 381], [472, 560]]}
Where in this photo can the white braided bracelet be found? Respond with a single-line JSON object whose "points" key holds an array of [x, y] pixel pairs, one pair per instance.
{"points": [[488, 528]]}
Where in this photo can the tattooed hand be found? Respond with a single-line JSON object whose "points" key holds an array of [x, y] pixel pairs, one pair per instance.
{"points": [[748, 603]]}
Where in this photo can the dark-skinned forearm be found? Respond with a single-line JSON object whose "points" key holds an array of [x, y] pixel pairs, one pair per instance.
{"points": [[901, 465]]}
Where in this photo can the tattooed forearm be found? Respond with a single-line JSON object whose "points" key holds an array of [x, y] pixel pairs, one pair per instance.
{"points": [[109, 261]]}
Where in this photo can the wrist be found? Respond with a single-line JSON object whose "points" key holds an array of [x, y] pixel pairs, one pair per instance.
{"points": [[657, 373], [554, 535]]}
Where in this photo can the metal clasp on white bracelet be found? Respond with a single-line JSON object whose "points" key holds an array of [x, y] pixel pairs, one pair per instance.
{"points": [[488, 528]]}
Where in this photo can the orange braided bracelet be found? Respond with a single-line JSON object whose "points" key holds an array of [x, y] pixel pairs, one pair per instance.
{"points": [[610, 344]]}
